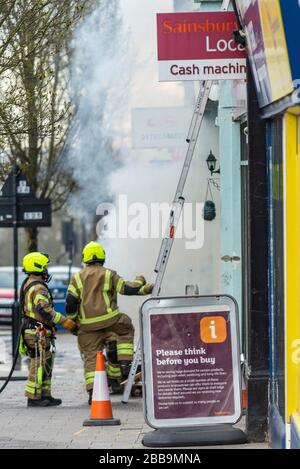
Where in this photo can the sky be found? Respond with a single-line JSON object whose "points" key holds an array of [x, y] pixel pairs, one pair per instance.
{"points": [[120, 73], [140, 17]]}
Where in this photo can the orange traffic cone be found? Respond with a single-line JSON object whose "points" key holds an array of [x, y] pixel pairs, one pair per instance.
{"points": [[101, 409], [244, 394]]}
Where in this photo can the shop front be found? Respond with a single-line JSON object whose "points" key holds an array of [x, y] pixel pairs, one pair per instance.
{"points": [[270, 28]]}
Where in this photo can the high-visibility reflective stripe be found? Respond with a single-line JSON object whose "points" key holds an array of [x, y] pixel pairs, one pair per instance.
{"points": [[113, 376], [114, 368], [78, 281], [29, 302], [107, 280], [89, 377], [57, 317], [142, 291], [80, 288], [139, 282], [125, 352], [40, 297], [30, 331], [106, 288], [102, 318], [107, 302], [89, 380], [72, 316], [124, 348], [33, 332], [73, 291], [33, 390], [81, 310], [32, 384], [125, 345], [114, 371], [120, 284]]}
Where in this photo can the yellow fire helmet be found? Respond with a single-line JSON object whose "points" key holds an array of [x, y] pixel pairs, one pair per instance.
{"points": [[35, 262], [93, 252]]}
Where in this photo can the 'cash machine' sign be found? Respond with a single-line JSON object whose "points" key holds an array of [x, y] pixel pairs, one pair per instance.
{"points": [[199, 46]]}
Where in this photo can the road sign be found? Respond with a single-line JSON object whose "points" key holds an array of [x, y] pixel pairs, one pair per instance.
{"points": [[30, 212], [20, 208], [23, 188], [191, 361]]}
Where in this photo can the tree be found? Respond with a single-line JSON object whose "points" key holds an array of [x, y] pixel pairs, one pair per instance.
{"points": [[35, 106], [103, 61]]}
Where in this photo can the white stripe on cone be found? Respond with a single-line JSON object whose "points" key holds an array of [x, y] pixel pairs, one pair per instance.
{"points": [[100, 390]]}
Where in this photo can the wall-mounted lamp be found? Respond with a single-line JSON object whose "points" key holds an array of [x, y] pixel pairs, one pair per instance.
{"points": [[211, 163]]}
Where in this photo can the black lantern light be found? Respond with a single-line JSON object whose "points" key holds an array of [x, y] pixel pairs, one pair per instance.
{"points": [[209, 210], [211, 163]]}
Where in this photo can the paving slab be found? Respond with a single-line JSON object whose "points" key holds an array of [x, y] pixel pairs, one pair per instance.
{"points": [[61, 427]]}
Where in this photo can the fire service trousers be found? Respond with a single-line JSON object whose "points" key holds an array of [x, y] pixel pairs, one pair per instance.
{"points": [[116, 340], [41, 365]]}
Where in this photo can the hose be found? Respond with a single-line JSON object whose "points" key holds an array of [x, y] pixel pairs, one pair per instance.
{"points": [[16, 355]]}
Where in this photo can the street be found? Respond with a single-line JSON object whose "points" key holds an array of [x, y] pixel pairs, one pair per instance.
{"points": [[61, 427]]}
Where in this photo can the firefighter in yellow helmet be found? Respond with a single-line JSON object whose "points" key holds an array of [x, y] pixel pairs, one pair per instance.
{"points": [[92, 303], [38, 329]]}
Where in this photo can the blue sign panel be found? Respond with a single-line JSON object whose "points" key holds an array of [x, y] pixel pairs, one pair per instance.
{"points": [[291, 18]]}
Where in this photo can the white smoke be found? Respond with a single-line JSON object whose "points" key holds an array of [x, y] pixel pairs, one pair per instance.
{"points": [[100, 79], [110, 82]]}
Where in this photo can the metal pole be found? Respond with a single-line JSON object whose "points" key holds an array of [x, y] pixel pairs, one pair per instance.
{"points": [[70, 262], [70, 249], [257, 347], [15, 308]]}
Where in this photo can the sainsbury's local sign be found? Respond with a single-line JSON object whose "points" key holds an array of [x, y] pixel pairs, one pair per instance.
{"points": [[199, 46]]}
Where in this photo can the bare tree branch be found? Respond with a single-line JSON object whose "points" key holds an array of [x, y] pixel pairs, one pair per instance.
{"points": [[35, 106]]}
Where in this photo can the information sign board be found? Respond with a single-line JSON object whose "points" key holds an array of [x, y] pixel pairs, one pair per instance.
{"points": [[191, 361]]}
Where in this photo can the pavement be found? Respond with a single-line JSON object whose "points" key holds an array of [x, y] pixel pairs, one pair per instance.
{"points": [[61, 427]]}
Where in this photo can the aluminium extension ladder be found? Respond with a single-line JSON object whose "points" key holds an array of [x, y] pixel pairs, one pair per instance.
{"points": [[176, 209], [175, 214]]}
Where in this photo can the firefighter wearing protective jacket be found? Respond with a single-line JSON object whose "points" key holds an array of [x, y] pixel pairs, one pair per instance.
{"points": [[92, 303], [38, 329]]}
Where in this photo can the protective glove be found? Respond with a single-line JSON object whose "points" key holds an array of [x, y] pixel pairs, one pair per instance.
{"points": [[140, 279], [69, 325], [146, 289]]}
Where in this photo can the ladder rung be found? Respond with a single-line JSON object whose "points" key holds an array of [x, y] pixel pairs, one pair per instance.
{"points": [[167, 243]]}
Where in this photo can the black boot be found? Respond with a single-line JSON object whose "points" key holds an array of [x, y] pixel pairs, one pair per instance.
{"points": [[53, 401], [38, 402], [125, 369], [90, 397], [115, 386]]}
